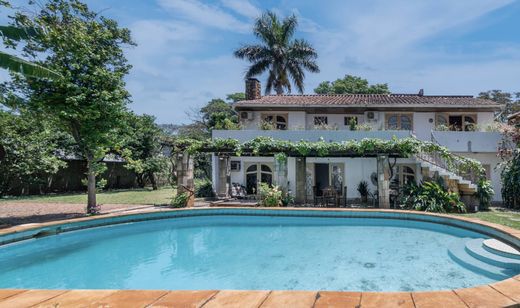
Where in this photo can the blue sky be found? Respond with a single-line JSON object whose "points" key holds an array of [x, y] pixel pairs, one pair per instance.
{"points": [[184, 53]]}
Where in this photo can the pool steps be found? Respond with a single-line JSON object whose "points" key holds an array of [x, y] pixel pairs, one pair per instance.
{"points": [[471, 254], [476, 249], [500, 248]]}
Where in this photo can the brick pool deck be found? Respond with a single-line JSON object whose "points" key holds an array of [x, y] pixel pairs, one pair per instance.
{"points": [[505, 293]]}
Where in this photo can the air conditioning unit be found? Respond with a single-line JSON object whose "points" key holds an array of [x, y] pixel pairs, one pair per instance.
{"points": [[246, 115], [372, 116]]}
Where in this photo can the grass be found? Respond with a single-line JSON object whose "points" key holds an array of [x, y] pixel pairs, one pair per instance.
{"points": [[131, 196], [498, 216]]}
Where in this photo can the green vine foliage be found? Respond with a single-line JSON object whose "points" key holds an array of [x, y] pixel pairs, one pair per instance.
{"points": [[267, 146], [511, 181]]}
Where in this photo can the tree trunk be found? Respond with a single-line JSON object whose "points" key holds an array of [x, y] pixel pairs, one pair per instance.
{"points": [[91, 188], [151, 176]]}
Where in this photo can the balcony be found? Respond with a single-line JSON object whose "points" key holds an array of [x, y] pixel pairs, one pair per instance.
{"points": [[309, 135], [483, 142]]}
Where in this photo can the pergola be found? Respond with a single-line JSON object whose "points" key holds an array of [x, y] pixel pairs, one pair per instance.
{"points": [[382, 150]]}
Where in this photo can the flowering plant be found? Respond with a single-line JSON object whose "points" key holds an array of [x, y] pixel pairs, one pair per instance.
{"points": [[270, 196]]}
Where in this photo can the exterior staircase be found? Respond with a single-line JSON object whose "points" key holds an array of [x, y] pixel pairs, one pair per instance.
{"points": [[491, 258], [434, 163]]}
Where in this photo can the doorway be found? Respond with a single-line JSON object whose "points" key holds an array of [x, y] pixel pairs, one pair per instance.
{"points": [[328, 175], [321, 177]]}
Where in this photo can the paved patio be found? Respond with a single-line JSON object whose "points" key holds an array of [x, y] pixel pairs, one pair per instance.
{"points": [[501, 294]]}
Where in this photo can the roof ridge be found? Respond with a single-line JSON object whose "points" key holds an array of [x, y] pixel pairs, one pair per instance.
{"points": [[369, 95]]}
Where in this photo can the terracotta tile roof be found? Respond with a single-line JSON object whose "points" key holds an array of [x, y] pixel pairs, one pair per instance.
{"points": [[367, 100]]}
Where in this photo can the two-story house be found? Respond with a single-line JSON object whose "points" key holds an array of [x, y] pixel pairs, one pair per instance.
{"points": [[460, 123]]}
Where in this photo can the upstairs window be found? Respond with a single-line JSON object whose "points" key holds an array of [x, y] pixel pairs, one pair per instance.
{"points": [[321, 120], [398, 121]]}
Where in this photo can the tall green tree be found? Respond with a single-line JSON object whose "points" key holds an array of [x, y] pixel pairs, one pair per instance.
{"points": [[510, 101], [28, 151], [283, 58], [351, 85], [90, 98], [142, 148]]}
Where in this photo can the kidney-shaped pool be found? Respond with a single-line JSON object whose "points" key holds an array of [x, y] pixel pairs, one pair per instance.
{"points": [[248, 251]]}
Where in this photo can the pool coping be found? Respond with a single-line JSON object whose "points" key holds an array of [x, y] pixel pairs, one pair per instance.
{"points": [[499, 294]]}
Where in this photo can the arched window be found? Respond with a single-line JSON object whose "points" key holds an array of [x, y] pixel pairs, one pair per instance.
{"points": [[469, 124], [255, 174], [393, 122], [398, 121]]}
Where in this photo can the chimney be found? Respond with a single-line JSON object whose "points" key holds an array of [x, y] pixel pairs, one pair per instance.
{"points": [[421, 92], [253, 89]]}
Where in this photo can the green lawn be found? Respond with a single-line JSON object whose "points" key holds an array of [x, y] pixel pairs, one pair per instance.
{"points": [[498, 216], [133, 196]]}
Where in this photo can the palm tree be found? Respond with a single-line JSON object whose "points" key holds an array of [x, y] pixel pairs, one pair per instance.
{"points": [[18, 65], [285, 58]]}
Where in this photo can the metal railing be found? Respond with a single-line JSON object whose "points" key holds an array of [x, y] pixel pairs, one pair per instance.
{"points": [[454, 166]]}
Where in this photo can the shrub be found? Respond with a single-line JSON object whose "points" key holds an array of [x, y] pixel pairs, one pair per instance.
{"points": [[442, 128], [287, 199], [364, 127], [362, 188], [180, 200], [204, 189], [352, 123], [430, 197], [266, 125], [511, 181], [484, 193], [270, 196]]}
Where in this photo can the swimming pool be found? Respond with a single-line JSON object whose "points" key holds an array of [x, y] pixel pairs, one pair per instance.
{"points": [[253, 250]]}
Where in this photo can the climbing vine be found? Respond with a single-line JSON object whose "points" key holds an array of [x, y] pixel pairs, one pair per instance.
{"points": [[266, 146]]}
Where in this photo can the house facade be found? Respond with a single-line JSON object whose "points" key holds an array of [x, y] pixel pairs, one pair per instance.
{"points": [[463, 124]]}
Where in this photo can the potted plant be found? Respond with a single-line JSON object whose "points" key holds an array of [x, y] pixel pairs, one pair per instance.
{"points": [[363, 191]]}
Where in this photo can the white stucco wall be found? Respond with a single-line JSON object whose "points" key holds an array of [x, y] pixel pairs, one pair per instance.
{"points": [[422, 125], [296, 120], [493, 161], [484, 119]]}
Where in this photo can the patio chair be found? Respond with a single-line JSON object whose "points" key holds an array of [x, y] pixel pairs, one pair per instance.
{"points": [[330, 196], [317, 200]]}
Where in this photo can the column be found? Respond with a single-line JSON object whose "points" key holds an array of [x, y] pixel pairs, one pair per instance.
{"points": [[224, 175], [383, 181], [185, 177], [301, 179], [280, 167]]}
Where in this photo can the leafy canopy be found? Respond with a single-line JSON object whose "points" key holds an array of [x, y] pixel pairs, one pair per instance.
{"points": [[86, 49], [142, 148], [283, 58], [351, 85], [28, 154], [510, 101]]}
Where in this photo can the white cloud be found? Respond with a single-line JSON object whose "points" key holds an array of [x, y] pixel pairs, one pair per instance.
{"points": [[243, 7], [384, 41], [205, 14]]}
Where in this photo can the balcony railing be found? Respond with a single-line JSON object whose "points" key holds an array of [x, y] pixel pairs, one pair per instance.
{"points": [[309, 135]]}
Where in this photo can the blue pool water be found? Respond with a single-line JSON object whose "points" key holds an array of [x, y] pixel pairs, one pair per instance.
{"points": [[244, 252]]}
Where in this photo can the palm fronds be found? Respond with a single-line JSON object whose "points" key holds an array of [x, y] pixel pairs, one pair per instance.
{"points": [[284, 58]]}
